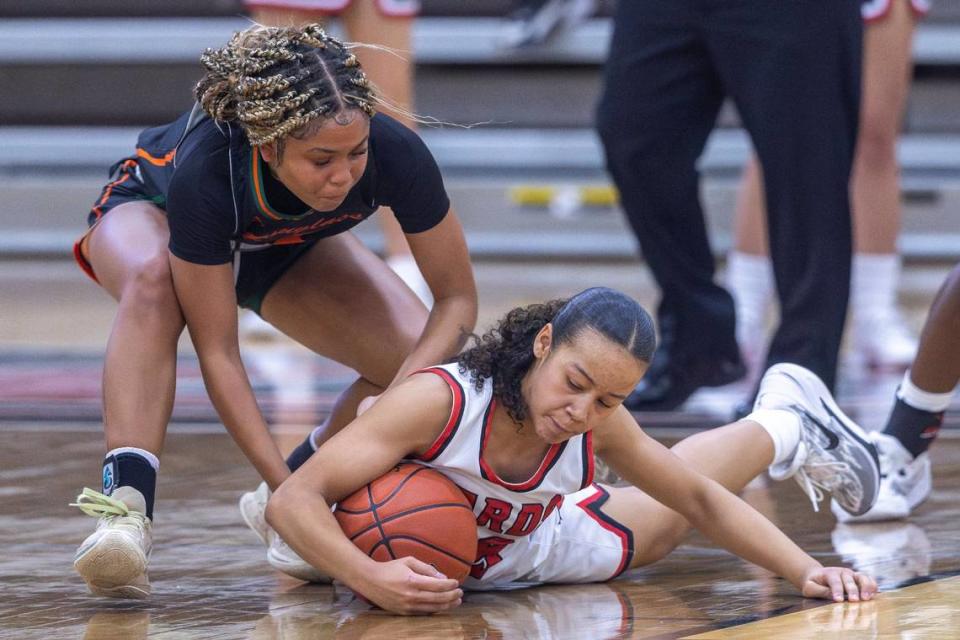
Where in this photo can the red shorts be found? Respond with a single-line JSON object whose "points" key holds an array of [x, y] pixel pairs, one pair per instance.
{"points": [[873, 10], [390, 8]]}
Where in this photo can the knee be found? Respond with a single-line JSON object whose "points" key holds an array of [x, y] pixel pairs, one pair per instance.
{"points": [[655, 551], [876, 145], [150, 288]]}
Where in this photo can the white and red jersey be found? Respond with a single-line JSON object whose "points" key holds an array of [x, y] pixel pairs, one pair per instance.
{"points": [[507, 512]]}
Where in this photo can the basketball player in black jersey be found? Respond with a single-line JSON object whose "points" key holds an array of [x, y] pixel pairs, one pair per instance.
{"points": [[247, 200]]}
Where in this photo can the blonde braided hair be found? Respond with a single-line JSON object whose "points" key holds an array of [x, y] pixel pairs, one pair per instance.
{"points": [[274, 81]]}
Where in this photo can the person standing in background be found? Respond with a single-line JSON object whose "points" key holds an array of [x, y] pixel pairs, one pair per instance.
{"points": [[793, 71], [879, 335]]}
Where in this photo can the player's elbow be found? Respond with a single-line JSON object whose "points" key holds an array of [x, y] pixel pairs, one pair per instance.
{"points": [[698, 504], [281, 505]]}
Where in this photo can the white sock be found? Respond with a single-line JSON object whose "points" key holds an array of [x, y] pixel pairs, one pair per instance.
{"points": [[314, 435], [784, 429], [750, 280], [920, 399], [143, 453], [873, 287]]}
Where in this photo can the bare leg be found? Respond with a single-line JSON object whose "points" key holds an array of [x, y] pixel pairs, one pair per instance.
{"points": [[886, 83], [128, 252], [359, 314], [750, 219], [937, 365], [732, 455]]}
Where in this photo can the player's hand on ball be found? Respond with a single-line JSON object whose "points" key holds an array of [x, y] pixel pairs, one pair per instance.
{"points": [[366, 403], [837, 584], [411, 587]]}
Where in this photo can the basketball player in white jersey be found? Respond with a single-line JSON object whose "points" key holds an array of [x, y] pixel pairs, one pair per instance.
{"points": [[516, 423]]}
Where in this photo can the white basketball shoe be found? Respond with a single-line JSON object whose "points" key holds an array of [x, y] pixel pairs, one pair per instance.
{"points": [[834, 455], [536, 22], [113, 559], [905, 482], [253, 507], [282, 558]]}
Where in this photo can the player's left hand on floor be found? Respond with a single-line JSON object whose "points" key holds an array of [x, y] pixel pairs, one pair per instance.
{"points": [[838, 584]]}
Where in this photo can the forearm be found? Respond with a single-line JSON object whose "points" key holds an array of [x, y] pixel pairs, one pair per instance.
{"points": [[303, 519], [450, 323], [230, 392], [724, 518]]}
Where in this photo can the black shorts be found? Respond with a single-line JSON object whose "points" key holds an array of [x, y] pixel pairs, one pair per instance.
{"points": [[258, 270]]}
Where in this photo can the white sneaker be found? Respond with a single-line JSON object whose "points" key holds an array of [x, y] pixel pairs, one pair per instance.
{"points": [[538, 21], [253, 507], [406, 267], [882, 342], [892, 552], [113, 559], [252, 327], [880, 338], [282, 558], [834, 455], [905, 482]]}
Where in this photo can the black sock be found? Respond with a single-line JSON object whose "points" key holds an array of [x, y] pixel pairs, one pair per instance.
{"points": [[130, 470], [300, 455], [915, 428]]}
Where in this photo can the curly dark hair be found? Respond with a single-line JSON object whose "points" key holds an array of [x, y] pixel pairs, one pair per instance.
{"points": [[505, 352]]}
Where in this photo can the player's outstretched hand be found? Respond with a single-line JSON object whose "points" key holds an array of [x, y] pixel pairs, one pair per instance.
{"points": [[411, 587], [837, 584]]}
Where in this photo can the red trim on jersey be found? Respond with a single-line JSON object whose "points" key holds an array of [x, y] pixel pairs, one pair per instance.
{"points": [[591, 506], [456, 413], [551, 457], [588, 462]]}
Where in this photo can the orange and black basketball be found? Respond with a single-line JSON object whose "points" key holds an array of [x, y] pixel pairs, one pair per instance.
{"points": [[412, 510]]}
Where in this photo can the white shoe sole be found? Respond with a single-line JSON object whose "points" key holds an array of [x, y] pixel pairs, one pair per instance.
{"points": [[114, 568], [913, 499]]}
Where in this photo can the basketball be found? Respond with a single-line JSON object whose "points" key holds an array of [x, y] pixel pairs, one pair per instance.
{"points": [[412, 510]]}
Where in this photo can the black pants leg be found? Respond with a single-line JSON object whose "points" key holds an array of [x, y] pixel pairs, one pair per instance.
{"points": [[660, 101], [793, 69]]}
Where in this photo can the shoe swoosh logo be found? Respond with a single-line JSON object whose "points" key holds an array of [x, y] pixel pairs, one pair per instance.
{"points": [[851, 433], [833, 440]]}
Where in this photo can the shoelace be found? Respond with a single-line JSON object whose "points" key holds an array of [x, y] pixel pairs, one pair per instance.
{"points": [[98, 505], [815, 486]]}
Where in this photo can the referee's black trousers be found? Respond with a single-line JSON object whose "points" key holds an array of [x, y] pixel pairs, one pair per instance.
{"points": [[792, 68]]}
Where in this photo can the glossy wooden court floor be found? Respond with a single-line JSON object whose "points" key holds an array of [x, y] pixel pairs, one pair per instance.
{"points": [[211, 580]]}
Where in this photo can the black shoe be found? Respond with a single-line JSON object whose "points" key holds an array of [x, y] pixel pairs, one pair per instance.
{"points": [[667, 386]]}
